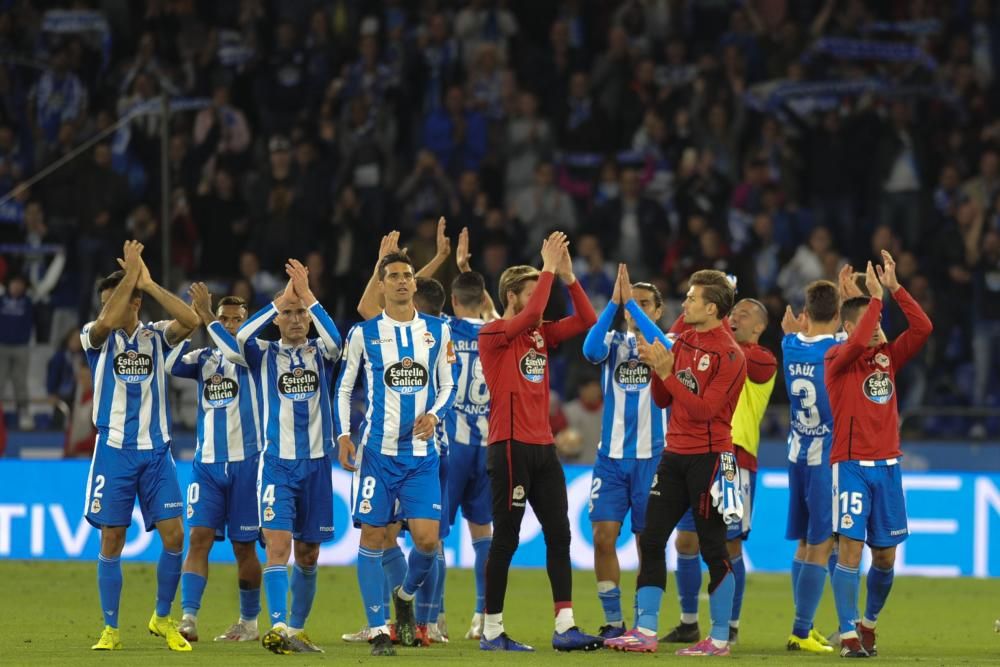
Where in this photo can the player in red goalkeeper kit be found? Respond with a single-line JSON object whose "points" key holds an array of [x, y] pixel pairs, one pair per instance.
{"points": [[521, 460], [867, 482]]}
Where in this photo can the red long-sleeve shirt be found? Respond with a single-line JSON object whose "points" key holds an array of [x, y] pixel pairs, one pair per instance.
{"points": [[514, 356], [709, 372], [861, 382]]}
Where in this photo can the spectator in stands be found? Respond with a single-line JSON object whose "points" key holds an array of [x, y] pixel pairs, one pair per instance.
{"points": [[61, 375], [427, 189], [581, 124], [455, 135], [805, 266], [264, 283], [986, 320], [14, 163], [529, 141], [222, 127], [984, 186], [281, 90], [223, 224], [543, 207], [438, 64], [595, 273], [58, 97], [761, 258], [42, 266], [632, 228], [901, 167], [577, 442], [610, 77], [481, 22], [16, 320]]}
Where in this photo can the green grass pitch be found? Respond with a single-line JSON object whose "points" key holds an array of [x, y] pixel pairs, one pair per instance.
{"points": [[53, 617]]}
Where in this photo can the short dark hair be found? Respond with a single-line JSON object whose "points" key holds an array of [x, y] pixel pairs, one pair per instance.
{"points": [[716, 289], [469, 288], [392, 258], [233, 301], [822, 301], [652, 289], [112, 280], [761, 309], [429, 297], [849, 309]]}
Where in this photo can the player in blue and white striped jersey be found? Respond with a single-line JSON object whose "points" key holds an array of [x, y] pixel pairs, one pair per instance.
{"points": [[294, 486], [223, 489], [128, 360], [406, 359], [467, 423], [632, 435]]}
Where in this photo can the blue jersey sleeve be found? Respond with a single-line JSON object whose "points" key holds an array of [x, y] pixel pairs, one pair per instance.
{"points": [[595, 345], [650, 331]]}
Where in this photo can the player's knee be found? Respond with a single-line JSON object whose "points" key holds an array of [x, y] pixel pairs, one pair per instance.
{"points": [[652, 547], [306, 553], [278, 545], [735, 547], [171, 534], [504, 545], [849, 552], [884, 559], [243, 551], [717, 571], [200, 541], [112, 541], [605, 537], [687, 542], [374, 537], [479, 530], [557, 534]]}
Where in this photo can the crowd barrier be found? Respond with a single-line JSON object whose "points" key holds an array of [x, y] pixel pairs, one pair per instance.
{"points": [[954, 523]]}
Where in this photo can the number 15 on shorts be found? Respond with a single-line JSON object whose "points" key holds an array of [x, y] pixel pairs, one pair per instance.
{"points": [[852, 508]]}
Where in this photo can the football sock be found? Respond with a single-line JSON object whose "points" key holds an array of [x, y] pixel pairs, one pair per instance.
{"points": [[720, 605], [564, 616], [425, 596], [809, 591], [249, 604], [739, 585], [192, 589], [481, 546], [879, 585], [611, 601], [303, 593], [845, 594], [688, 585], [371, 580], [418, 565], [276, 590], [168, 575], [492, 626], [442, 569], [796, 570], [649, 598], [109, 586]]}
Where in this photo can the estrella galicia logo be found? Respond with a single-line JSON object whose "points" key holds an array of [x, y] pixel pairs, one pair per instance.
{"points": [[132, 366], [299, 384], [220, 391], [632, 375], [406, 376], [878, 387], [688, 379], [532, 366]]}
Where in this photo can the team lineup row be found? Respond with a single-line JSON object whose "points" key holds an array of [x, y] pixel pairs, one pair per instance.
{"points": [[456, 415]]}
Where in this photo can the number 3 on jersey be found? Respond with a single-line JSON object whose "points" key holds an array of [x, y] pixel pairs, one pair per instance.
{"points": [[805, 392]]}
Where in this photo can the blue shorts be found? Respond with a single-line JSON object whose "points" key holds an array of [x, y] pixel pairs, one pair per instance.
{"points": [[469, 485], [444, 527], [223, 497], [810, 512], [620, 485], [381, 480], [117, 476], [870, 503], [296, 495], [741, 530]]}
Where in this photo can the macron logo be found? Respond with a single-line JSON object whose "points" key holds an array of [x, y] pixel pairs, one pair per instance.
{"points": [[375, 608], [275, 614]]}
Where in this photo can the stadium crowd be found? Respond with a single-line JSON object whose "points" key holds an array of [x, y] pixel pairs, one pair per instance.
{"points": [[773, 140]]}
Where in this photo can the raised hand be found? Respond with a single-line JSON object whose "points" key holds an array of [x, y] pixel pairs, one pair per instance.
{"points": [[552, 250], [626, 283], [201, 301], [299, 276], [790, 323], [616, 292], [887, 275], [443, 243], [462, 255], [564, 268], [872, 282], [845, 282], [389, 244]]}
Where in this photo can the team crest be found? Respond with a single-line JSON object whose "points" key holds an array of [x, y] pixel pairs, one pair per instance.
{"points": [[268, 514], [878, 387], [364, 507], [704, 362], [846, 522], [539, 341], [95, 506], [688, 379], [429, 339], [450, 356], [882, 360], [146, 333], [190, 510], [518, 492]]}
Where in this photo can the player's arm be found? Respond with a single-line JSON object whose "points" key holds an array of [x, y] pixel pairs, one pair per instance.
{"points": [[583, 316], [661, 361], [244, 349], [446, 389], [596, 345], [462, 257], [353, 352], [919, 326], [183, 318], [761, 364], [370, 304], [840, 357], [115, 311], [329, 337], [184, 365], [442, 251], [552, 248], [724, 385]]}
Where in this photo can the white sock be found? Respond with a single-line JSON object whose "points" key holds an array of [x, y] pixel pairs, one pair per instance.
{"points": [[718, 643], [646, 631], [293, 631], [850, 634], [193, 617], [493, 626], [384, 629], [734, 624], [280, 626], [605, 586], [249, 622], [404, 596], [689, 619], [564, 619], [868, 624]]}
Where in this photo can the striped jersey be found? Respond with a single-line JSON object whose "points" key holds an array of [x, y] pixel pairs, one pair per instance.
{"points": [[467, 423], [810, 434], [228, 406], [131, 404], [407, 371], [295, 382]]}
